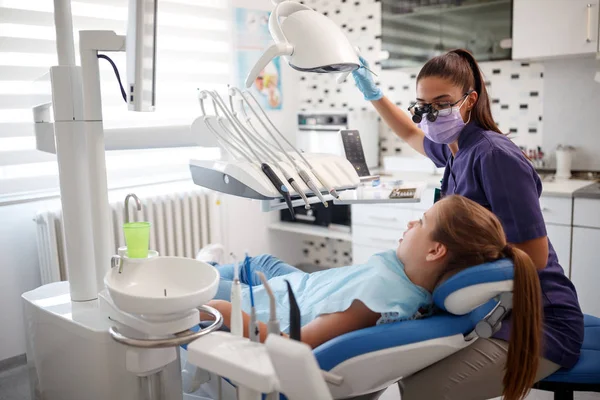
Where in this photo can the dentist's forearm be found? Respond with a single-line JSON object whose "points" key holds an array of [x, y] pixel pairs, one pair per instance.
{"points": [[400, 123]]}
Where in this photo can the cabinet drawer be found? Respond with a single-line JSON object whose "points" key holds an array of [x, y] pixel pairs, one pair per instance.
{"points": [[560, 237], [587, 213], [362, 253], [557, 210], [381, 216], [585, 273], [377, 237]]}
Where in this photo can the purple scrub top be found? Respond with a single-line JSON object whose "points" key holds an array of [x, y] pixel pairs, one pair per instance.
{"points": [[491, 170]]}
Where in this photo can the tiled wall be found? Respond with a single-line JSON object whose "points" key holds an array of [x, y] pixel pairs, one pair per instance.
{"points": [[515, 89], [515, 92], [318, 253]]}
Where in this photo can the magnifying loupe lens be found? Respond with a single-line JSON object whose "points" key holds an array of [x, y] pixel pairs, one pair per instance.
{"points": [[432, 116]]}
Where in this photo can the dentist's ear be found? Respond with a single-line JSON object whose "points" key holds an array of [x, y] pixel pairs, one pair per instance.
{"points": [[473, 97], [436, 252]]}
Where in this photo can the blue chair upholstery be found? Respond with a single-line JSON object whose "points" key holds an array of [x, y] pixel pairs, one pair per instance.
{"points": [[386, 336], [585, 375], [441, 324]]}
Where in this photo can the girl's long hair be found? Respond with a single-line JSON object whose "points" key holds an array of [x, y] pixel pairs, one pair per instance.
{"points": [[473, 236]]}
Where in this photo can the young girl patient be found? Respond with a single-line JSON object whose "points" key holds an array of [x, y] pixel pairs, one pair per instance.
{"points": [[396, 285]]}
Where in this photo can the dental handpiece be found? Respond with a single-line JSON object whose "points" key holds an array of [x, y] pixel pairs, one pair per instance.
{"points": [[296, 187], [281, 188], [237, 321], [253, 331], [309, 182], [273, 324], [329, 187]]}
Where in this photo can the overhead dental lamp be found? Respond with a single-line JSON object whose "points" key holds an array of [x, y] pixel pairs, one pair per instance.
{"points": [[309, 41]]}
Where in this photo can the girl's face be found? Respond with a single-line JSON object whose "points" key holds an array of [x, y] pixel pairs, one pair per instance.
{"points": [[416, 248], [442, 93]]}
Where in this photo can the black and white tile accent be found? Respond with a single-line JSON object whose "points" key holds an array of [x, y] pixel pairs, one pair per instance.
{"points": [[320, 253], [515, 88]]}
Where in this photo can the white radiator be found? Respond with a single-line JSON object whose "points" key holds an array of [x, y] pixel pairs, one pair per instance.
{"points": [[182, 223]]}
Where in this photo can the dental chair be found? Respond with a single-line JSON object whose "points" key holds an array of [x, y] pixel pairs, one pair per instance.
{"points": [[363, 363]]}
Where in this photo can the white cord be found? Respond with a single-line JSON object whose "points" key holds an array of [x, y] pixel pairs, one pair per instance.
{"points": [[225, 110], [269, 145], [269, 132], [301, 172], [273, 125], [227, 145], [258, 139], [319, 177]]}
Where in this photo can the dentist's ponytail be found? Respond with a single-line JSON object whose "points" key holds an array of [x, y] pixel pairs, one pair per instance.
{"points": [[473, 235], [524, 349]]}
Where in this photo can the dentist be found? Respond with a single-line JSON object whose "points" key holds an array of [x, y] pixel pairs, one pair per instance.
{"points": [[452, 125]]}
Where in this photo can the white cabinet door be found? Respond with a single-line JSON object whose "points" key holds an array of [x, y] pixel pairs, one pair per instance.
{"points": [[549, 28], [585, 268], [560, 236]]}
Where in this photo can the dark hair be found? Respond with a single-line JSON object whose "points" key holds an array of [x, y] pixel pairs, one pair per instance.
{"points": [[459, 66], [473, 236]]}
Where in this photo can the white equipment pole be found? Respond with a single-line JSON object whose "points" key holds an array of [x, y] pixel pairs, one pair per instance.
{"points": [[71, 152], [89, 44], [64, 32]]}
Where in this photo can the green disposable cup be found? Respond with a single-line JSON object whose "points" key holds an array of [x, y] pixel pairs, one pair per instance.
{"points": [[137, 238]]}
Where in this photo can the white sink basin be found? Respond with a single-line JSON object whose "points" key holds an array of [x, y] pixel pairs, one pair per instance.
{"points": [[162, 285]]}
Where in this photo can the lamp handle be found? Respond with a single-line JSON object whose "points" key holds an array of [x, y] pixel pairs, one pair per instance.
{"points": [[278, 49], [344, 75]]}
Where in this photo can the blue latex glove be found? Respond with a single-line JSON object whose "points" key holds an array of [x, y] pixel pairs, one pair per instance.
{"points": [[365, 83]]}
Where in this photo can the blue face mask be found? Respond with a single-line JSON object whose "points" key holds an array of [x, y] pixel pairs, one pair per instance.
{"points": [[445, 129]]}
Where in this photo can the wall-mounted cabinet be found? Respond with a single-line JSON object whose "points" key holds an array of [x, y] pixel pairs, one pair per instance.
{"points": [[554, 28], [413, 31]]}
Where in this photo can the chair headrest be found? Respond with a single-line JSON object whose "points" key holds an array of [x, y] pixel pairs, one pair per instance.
{"points": [[474, 286]]}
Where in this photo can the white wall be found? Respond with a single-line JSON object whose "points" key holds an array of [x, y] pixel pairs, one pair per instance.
{"points": [[245, 225], [571, 101]]}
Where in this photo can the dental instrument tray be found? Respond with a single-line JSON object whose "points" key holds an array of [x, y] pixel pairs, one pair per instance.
{"points": [[245, 179], [409, 192], [403, 193]]}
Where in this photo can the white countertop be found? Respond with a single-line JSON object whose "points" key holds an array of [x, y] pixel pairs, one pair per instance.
{"points": [[431, 180], [558, 188], [564, 187]]}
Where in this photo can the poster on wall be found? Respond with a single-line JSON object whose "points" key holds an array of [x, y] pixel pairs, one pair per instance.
{"points": [[252, 37]]}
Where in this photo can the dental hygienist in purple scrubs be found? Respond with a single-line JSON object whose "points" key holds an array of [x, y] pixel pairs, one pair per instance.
{"points": [[456, 130]]}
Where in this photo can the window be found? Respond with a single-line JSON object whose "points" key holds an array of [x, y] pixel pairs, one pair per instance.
{"points": [[194, 50]]}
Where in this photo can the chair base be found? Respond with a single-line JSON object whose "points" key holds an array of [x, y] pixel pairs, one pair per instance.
{"points": [[564, 391]]}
